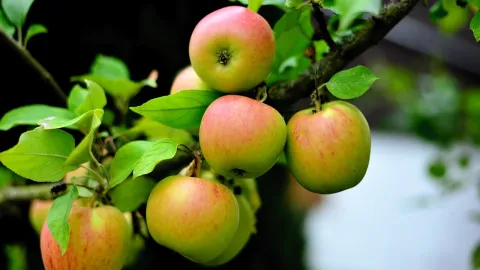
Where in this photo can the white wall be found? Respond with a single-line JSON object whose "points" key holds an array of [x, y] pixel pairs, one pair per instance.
{"points": [[377, 226]]}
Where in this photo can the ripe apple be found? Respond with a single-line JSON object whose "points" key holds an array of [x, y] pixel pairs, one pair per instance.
{"points": [[232, 49], [99, 238], [187, 79], [195, 217], [241, 137], [39, 209], [246, 228], [328, 151], [250, 191], [38, 213]]}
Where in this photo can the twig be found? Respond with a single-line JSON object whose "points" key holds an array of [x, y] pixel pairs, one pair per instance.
{"points": [[33, 63], [286, 93], [320, 27], [26, 193]]}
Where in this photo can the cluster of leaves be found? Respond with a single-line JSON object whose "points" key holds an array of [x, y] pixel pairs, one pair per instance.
{"points": [[13, 14], [452, 15]]}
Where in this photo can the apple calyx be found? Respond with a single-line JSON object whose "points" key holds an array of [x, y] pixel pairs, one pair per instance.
{"points": [[223, 57]]}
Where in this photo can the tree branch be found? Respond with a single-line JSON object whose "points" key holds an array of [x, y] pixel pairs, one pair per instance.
{"points": [[26, 193], [375, 29], [33, 63]]}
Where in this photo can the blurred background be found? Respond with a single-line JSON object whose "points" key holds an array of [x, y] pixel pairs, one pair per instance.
{"points": [[418, 206]]}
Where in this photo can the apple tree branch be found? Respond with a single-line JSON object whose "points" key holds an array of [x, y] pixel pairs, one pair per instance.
{"points": [[374, 30]]}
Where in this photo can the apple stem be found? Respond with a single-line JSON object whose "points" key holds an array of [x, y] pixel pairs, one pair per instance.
{"points": [[317, 97], [262, 94], [198, 163]]}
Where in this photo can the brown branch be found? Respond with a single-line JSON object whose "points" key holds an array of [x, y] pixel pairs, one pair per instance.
{"points": [[375, 29], [33, 63], [30, 192]]}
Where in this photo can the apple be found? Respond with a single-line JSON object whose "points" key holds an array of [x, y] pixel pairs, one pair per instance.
{"points": [[39, 209], [187, 79], [299, 198], [232, 49], [241, 137], [250, 191], [328, 151], [99, 239], [246, 228], [195, 217], [38, 213]]}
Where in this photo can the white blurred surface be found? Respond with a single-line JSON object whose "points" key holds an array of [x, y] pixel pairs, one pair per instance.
{"points": [[377, 226]]}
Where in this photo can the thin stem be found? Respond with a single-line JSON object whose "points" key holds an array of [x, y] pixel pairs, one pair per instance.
{"points": [[33, 63], [19, 35], [95, 173]]}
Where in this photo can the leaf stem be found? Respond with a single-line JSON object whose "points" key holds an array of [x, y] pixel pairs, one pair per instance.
{"points": [[33, 63], [95, 173]]}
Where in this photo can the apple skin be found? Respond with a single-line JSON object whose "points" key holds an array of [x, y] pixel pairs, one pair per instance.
{"points": [[187, 79], [242, 36], [328, 151], [195, 217], [241, 137], [38, 213], [99, 239], [246, 228]]}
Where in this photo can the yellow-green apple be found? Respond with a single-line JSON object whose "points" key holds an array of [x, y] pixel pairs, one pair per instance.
{"points": [[38, 213], [250, 191], [241, 137], [246, 227], [187, 79], [328, 151], [99, 238], [232, 49], [195, 217]]}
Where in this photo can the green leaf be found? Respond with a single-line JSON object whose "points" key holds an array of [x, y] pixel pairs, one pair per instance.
{"points": [[131, 193], [40, 155], [124, 161], [76, 97], [35, 29], [277, 3], [5, 24], [293, 33], [475, 26], [476, 257], [57, 218], [349, 10], [254, 5], [437, 11], [82, 152], [295, 3], [6, 176], [31, 114], [16, 257], [464, 161], [351, 83], [437, 169], [162, 149], [17, 10], [95, 98], [182, 110], [84, 121], [118, 87], [154, 131], [110, 67]]}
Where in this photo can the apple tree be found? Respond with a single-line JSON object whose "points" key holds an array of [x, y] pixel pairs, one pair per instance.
{"points": [[193, 157]]}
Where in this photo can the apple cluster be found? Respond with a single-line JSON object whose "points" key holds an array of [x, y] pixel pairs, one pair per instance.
{"points": [[201, 217], [232, 51]]}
